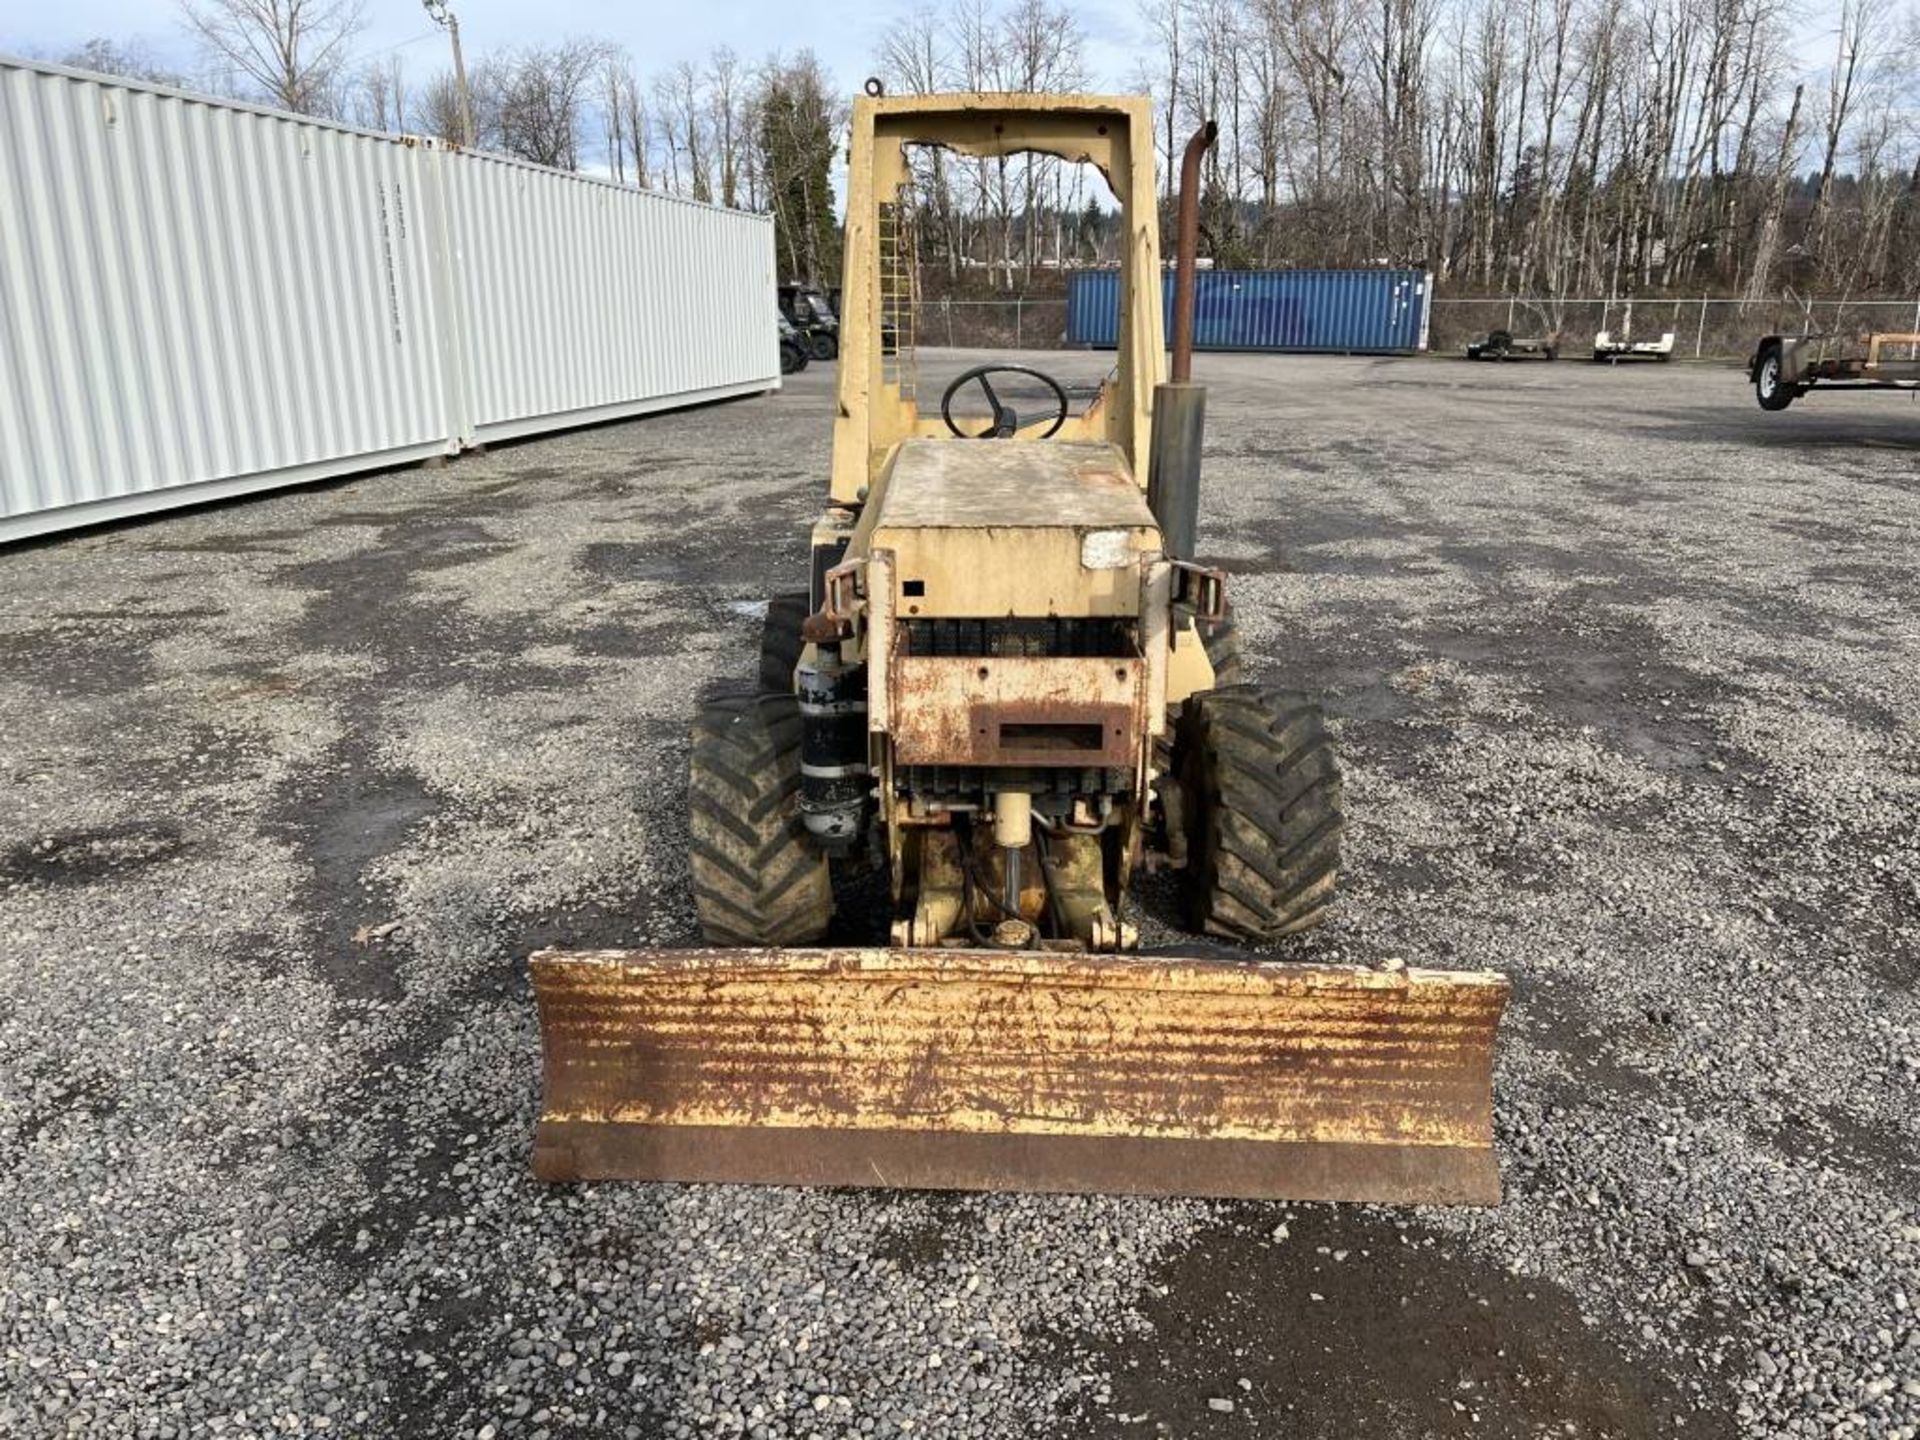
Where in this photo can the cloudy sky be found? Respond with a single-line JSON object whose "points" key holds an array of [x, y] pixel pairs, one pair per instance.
{"points": [[657, 33]]}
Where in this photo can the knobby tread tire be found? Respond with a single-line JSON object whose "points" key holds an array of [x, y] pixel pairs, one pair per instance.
{"points": [[756, 879], [780, 642], [1266, 820], [1222, 641]]}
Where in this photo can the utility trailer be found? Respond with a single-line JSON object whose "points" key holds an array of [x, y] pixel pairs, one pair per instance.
{"points": [[1609, 345], [1504, 345], [1785, 367]]}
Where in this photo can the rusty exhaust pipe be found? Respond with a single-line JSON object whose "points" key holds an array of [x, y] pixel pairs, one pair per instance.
{"points": [[1180, 406], [1186, 248]]}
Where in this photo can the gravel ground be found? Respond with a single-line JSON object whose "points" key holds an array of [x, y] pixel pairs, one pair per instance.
{"points": [[1624, 673]]}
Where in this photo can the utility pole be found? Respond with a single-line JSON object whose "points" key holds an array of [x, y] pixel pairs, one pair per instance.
{"points": [[442, 15]]}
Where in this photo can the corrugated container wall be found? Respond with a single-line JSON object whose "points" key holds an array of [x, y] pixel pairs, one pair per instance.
{"points": [[194, 294], [1326, 311], [200, 298], [579, 298]]}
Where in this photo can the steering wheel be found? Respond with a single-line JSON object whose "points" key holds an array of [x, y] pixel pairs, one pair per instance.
{"points": [[1005, 420]]}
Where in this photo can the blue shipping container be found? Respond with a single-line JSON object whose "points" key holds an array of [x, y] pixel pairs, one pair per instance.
{"points": [[1317, 311]]}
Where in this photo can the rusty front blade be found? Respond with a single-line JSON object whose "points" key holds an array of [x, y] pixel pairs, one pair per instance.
{"points": [[988, 1070]]}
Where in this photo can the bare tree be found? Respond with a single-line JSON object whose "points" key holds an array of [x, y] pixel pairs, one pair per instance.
{"points": [[633, 114], [1041, 50], [117, 57], [293, 52], [1776, 204], [1865, 31], [1163, 19], [437, 109], [378, 96], [915, 57], [615, 75], [725, 106], [543, 103], [684, 128]]}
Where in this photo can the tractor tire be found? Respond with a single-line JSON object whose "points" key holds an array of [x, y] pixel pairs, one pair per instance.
{"points": [[1768, 388], [757, 881], [793, 357], [823, 344], [1222, 641], [1263, 803], [780, 642]]}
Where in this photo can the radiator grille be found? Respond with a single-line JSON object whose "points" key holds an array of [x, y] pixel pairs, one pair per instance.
{"points": [[1070, 637]]}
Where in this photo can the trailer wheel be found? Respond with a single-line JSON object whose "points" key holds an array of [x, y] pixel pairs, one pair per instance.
{"points": [[780, 642], [756, 879], [1768, 388], [1264, 817]]}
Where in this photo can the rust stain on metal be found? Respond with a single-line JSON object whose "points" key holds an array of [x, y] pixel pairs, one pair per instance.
{"points": [[1017, 711], [954, 1063]]}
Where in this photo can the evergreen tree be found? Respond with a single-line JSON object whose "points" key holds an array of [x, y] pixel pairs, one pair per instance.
{"points": [[799, 120]]}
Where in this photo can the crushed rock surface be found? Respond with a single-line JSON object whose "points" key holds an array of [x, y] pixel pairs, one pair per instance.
{"points": [[1624, 673]]}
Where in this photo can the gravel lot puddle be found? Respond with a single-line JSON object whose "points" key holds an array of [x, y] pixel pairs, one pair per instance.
{"points": [[83, 857], [1323, 1324]]}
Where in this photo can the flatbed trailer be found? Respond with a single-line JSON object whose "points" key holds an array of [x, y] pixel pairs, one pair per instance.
{"points": [[1785, 367], [1614, 345], [1504, 345]]}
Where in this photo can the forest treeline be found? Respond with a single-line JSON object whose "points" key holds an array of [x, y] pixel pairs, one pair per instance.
{"points": [[1543, 147], [1546, 147], [1560, 146]]}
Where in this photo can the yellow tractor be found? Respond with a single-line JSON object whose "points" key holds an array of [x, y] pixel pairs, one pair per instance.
{"points": [[1011, 684]]}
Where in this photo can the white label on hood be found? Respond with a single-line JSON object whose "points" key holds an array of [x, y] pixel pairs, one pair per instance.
{"points": [[1105, 550]]}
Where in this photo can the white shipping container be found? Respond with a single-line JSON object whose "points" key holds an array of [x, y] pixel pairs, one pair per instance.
{"points": [[581, 300], [200, 298]]}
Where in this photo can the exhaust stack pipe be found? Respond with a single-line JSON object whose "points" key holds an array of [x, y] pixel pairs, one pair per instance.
{"points": [[1179, 405]]}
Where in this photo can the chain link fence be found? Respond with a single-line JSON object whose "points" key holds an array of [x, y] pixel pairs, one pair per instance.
{"points": [[1015, 322], [1704, 327]]}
